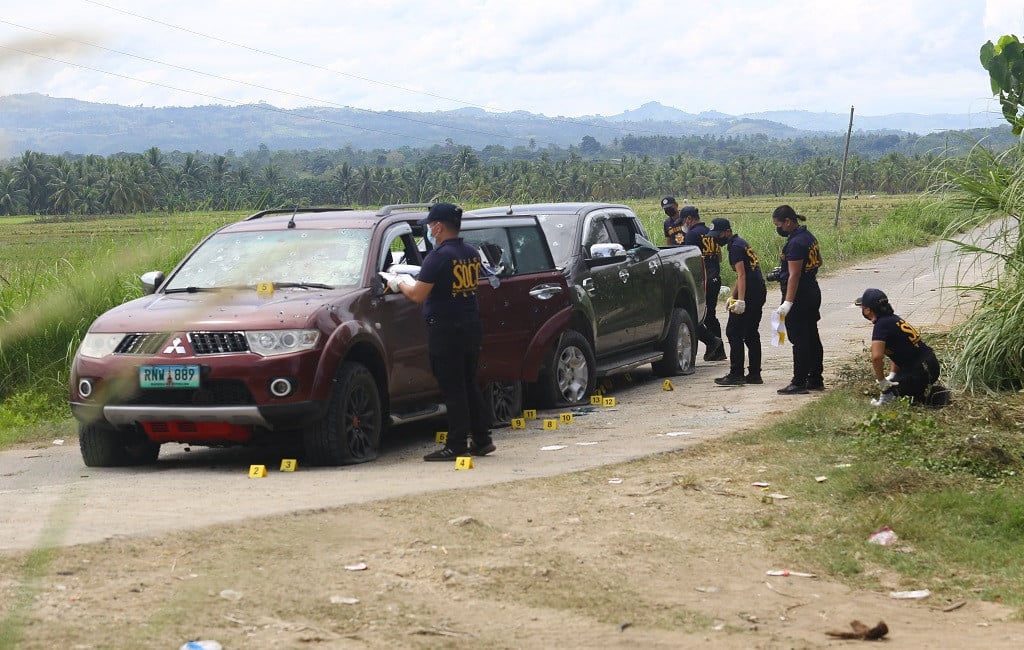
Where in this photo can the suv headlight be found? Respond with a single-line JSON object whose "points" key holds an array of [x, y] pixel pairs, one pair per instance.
{"points": [[268, 343], [97, 346]]}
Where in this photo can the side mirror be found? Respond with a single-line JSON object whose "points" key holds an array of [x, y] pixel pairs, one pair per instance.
{"points": [[600, 251], [151, 281]]}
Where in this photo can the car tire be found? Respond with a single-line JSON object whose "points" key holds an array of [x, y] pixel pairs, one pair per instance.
{"points": [[105, 446], [350, 431], [680, 347], [570, 374], [504, 400]]}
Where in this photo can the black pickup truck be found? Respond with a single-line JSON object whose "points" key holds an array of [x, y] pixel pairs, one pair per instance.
{"points": [[633, 302]]}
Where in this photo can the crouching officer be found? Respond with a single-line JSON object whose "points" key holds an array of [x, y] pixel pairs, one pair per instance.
{"points": [[914, 369], [446, 285]]}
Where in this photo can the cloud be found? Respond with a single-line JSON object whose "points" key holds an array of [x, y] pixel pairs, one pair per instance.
{"points": [[580, 58]]}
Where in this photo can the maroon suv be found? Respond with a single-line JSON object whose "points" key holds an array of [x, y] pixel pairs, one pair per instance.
{"points": [[279, 326]]}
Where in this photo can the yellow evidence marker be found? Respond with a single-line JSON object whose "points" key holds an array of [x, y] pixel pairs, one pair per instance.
{"points": [[667, 385], [550, 424], [289, 464], [464, 462], [441, 437], [596, 399], [265, 289], [257, 471], [565, 418], [518, 423], [608, 401], [530, 414]]}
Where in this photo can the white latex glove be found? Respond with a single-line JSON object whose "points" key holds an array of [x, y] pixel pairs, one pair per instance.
{"points": [[738, 306], [784, 308], [891, 376], [886, 383], [405, 278], [392, 280]]}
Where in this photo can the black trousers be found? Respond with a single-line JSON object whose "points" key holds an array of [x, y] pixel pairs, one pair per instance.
{"points": [[917, 378], [454, 346], [710, 329], [741, 330], [802, 331]]}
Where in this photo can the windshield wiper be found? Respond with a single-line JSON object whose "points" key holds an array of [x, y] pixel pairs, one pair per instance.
{"points": [[302, 285], [187, 290]]}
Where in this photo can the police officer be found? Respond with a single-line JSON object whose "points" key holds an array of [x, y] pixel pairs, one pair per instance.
{"points": [[914, 369], [745, 306], [709, 331], [446, 286], [674, 229], [801, 300]]}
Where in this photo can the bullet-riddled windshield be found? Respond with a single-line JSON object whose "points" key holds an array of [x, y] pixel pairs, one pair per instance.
{"points": [[328, 258]]}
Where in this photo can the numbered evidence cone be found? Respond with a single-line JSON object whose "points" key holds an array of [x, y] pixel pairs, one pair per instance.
{"points": [[779, 328]]}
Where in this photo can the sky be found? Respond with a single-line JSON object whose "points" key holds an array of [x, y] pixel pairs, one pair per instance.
{"points": [[571, 58]]}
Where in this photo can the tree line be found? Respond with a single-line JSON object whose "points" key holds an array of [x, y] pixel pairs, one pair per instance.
{"points": [[70, 185]]}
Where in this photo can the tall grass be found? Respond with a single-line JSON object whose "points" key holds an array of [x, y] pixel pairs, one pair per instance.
{"points": [[56, 280], [989, 347]]}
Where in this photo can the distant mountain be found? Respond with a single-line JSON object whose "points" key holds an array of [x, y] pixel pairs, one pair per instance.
{"points": [[53, 125]]}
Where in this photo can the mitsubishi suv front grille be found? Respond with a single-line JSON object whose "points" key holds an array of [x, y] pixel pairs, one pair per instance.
{"points": [[218, 342], [147, 343]]}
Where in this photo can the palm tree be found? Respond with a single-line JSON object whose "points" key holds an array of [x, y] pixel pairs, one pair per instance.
{"points": [[30, 175], [66, 188], [12, 197]]}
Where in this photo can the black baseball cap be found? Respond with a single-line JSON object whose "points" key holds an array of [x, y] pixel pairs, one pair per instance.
{"points": [[448, 212], [872, 299], [718, 226], [667, 201], [690, 211]]}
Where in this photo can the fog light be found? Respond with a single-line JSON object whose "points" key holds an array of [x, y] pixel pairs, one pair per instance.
{"points": [[85, 388], [281, 387]]}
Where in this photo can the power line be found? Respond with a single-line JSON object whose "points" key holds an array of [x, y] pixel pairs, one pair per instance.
{"points": [[355, 76]]}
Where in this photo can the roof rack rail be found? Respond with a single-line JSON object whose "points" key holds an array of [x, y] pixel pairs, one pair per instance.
{"points": [[388, 209], [267, 213]]}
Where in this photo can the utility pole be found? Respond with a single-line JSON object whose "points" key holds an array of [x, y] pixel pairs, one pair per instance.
{"points": [[842, 173]]}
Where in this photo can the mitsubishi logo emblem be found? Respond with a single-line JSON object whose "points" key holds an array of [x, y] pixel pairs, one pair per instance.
{"points": [[175, 347]]}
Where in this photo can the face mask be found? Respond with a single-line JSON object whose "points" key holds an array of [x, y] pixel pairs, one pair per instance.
{"points": [[782, 233], [670, 212], [430, 236], [722, 241]]}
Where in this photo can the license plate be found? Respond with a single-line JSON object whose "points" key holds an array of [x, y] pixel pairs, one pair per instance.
{"points": [[169, 376]]}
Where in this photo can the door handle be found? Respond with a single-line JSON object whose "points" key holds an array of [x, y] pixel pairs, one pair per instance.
{"points": [[545, 291], [588, 286]]}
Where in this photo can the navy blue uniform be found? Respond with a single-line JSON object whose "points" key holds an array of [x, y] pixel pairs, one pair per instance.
{"points": [[917, 366], [454, 337], [802, 320], [674, 235], [709, 329], [741, 329]]}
